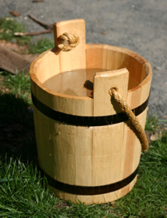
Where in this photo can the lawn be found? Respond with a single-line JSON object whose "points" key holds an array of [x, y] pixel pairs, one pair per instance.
{"points": [[23, 192]]}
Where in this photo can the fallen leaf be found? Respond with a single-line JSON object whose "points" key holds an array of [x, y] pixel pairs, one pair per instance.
{"points": [[38, 1], [156, 136], [157, 68], [15, 13]]}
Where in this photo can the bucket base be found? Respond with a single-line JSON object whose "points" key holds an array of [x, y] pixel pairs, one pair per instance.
{"points": [[94, 199]]}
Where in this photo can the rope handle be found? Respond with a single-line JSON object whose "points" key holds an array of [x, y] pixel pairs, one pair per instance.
{"points": [[133, 119], [67, 41]]}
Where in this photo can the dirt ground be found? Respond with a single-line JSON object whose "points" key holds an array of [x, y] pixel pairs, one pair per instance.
{"points": [[138, 25]]}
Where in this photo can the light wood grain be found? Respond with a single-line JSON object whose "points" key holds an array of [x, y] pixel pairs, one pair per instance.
{"points": [[95, 199], [96, 155], [103, 82], [74, 59]]}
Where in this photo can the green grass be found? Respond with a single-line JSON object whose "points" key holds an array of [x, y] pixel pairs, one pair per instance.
{"points": [[151, 123], [19, 83], [22, 192], [40, 46], [7, 29]]}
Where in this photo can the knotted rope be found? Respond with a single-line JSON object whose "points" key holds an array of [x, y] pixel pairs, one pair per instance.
{"points": [[133, 119], [67, 41]]}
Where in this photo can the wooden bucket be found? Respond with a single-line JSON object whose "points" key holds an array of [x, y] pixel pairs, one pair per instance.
{"points": [[86, 147]]}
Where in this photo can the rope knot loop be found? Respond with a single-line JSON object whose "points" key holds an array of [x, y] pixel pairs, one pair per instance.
{"points": [[67, 41]]}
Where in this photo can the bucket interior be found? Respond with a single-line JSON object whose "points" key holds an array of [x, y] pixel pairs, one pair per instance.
{"points": [[72, 81]]}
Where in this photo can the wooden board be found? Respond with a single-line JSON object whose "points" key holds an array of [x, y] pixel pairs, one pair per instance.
{"points": [[74, 59], [11, 61], [103, 82]]}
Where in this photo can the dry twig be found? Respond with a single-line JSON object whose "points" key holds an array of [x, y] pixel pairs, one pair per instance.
{"points": [[33, 33], [46, 25], [49, 28]]}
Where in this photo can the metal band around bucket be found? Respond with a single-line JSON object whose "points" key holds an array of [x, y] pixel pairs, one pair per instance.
{"points": [[85, 120], [88, 190]]}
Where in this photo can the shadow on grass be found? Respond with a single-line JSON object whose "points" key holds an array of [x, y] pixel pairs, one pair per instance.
{"points": [[17, 136]]}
